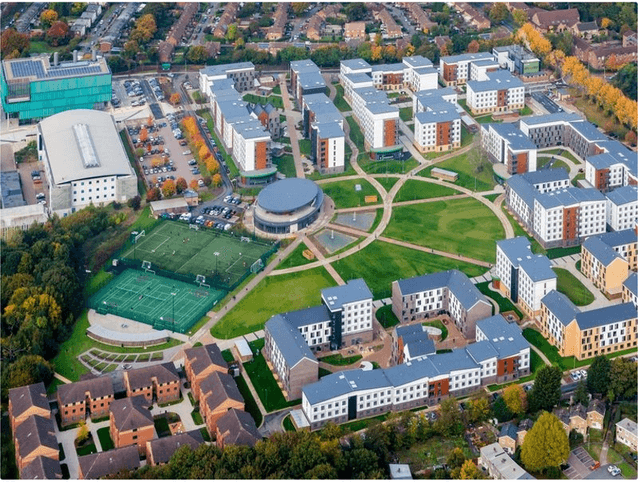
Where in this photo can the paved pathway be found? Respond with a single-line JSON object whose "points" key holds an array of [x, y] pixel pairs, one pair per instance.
{"points": [[569, 263], [291, 123], [334, 274]]}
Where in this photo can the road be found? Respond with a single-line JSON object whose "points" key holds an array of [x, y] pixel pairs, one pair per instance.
{"points": [[400, 15]]}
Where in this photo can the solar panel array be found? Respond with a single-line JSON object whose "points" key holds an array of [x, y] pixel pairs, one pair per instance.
{"points": [[29, 68]]}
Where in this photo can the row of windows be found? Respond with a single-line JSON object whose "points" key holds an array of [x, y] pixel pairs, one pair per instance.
{"points": [[96, 197]]}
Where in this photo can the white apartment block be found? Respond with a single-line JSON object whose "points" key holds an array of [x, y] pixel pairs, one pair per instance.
{"points": [[478, 69], [377, 118], [419, 73], [455, 69], [251, 145], [355, 81], [327, 147], [437, 128], [524, 277], [353, 66], [388, 76], [622, 208], [616, 167], [241, 73], [497, 92], [425, 97], [569, 215], [352, 305], [508, 145]]}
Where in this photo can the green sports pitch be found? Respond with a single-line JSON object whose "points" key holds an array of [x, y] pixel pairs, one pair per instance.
{"points": [[174, 246], [161, 302]]}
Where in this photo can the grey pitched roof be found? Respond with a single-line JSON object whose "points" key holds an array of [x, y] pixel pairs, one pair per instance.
{"points": [[164, 448], [584, 26], [425, 96], [289, 341], [505, 337], [141, 377], [42, 468], [307, 316], [568, 197], [550, 118], [457, 283], [131, 413], [328, 130], [509, 430], [417, 61], [560, 306], [96, 466], [218, 388], [619, 238], [631, 283], [523, 189], [623, 195], [545, 175], [452, 59], [202, 357], [514, 136], [396, 67], [414, 370], [358, 78], [538, 268], [338, 296], [224, 69], [588, 131], [311, 80], [23, 398], [355, 64], [600, 250], [240, 427], [502, 79], [222, 84], [596, 405], [481, 351], [484, 62], [516, 249], [419, 345], [438, 111], [606, 315], [35, 432], [344, 382], [456, 360], [76, 392]]}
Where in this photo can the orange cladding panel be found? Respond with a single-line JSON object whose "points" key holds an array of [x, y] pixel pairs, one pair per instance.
{"points": [[261, 155], [570, 223], [390, 126]]}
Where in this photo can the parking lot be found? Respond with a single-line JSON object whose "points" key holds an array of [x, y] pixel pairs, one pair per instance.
{"points": [[580, 463], [136, 92]]}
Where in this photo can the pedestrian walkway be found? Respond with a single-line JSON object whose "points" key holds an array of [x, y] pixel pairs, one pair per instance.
{"points": [[318, 254], [291, 124], [569, 263]]}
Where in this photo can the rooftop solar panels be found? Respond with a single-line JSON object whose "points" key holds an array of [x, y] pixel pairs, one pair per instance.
{"points": [[36, 68], [27, 68]]}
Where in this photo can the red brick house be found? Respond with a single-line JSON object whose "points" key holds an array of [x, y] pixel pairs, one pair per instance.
{"points": [[27, 401], [159, 382]]}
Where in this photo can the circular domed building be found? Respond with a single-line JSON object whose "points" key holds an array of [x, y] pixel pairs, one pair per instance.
{"points": [[288, 205]]}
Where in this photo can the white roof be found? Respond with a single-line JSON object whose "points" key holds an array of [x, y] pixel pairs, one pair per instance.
{"points": [[178, 202], [83, 144], [243, 348], [21, 215]]}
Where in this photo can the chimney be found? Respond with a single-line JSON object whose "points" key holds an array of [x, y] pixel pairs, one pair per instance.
{"points": [[75, 56], [55, 59]]}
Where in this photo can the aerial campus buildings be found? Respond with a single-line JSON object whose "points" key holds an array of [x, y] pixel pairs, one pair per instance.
{"points": [[34, 88]]}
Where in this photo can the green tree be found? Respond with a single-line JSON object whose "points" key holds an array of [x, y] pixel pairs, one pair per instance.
{"points": [[516, 399], [468, 471], [501, 410], [47, 17], [545, 445], [582, 394], [598, 375], [450, 420], [83, 433], [197, 54], [299, 7], [546, 392], [478, 409], [456, 458], [27, 370], [232, 32], [623, 378], [355, 12], [498, 13]]}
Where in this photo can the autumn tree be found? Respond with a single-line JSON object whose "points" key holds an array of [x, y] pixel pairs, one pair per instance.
{"points": [[197, 54], [144, 134], [144, 30], [498, 13], [456, 458], [516, 399], [153, 194], [468, 471], [474, 46], [631, 138], [181, 185], [212, 165], [478, 409], [545, 445], [520, 17], [606, 22], [83, 433], [175, 98], [204, 152], [168, 188], [58, 34], [216, 180], [13, 44], [47, 17], [537, 43], [299, 7], [193, 184]]}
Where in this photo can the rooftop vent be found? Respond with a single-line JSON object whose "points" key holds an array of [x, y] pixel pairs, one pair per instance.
{"points": [[85, 145]]}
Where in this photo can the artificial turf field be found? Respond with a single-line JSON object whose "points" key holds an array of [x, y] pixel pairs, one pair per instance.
{"points": [[150, 299], [173, 246]]}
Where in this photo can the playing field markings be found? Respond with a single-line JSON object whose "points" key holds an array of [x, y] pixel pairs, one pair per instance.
{"points": [[232, 264], [154, 250]]}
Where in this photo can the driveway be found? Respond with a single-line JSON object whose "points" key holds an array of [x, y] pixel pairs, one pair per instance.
{"points": [[579, 464]]}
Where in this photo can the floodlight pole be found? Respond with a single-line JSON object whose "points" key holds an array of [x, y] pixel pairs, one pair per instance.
{"points": [[173, 309], [216, 254]]}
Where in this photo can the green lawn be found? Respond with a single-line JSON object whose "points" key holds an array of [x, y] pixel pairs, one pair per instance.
{"points": [[356, 135], [406, 113], [339, 101], [467, 175], [386, 316], [66, 362], [387, 182], [562, 152], [391, 166], [86, 450], [381, 263], [305, 147], [526, 110], [487, 119], [250, 404], [573, 288], [273, 295], [557, 164], [295, 258], [376, 221], [286, 165], [414, 189], [492, 197], [432, 452], [340, 361], [105, 439], [440, 325], [197, 418], [628, 472], [263, 381], [234, 172], [504, 304], [275, 100], [458, 226], [287, 423], [276, 90], [162, 426], [579, 177], [344, 194]]}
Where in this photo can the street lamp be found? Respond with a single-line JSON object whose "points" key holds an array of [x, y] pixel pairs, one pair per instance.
{"points": [[173, 309], [216, 254]]}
